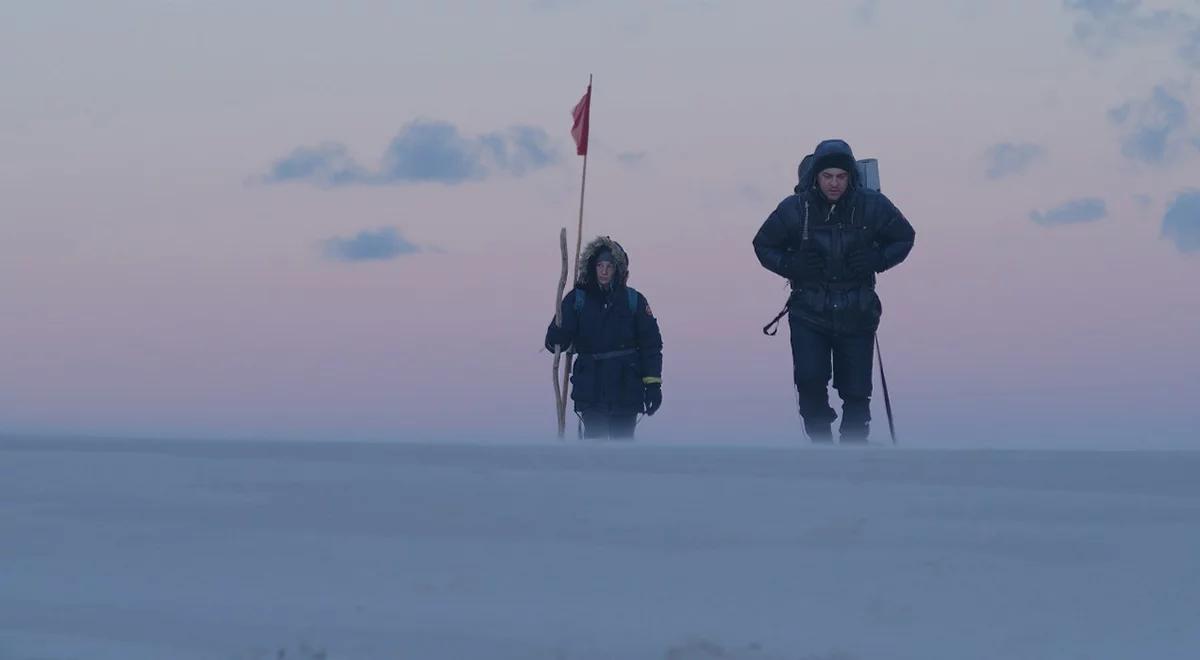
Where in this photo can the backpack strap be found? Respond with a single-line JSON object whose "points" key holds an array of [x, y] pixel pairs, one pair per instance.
{"points": [[632, 293]]}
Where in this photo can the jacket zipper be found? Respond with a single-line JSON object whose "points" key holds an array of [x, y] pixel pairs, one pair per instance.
{"points": [[835, 250]]}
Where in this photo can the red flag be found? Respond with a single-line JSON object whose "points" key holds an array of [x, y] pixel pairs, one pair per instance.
{"points": [[579, 130]]}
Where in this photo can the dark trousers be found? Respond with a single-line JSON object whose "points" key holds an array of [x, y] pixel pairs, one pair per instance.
{"points": [[816, 357], [604, 424]]}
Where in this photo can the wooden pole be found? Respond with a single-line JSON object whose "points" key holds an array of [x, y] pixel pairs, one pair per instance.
{"points": [[583, 187], [566, 377], [560, 408], [579, 236]]}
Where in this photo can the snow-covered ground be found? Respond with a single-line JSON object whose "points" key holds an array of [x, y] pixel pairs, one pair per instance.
{"points": [[128, 550]]}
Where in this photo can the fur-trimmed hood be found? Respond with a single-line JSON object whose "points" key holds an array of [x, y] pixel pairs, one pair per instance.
{"points": [[587, 261]]}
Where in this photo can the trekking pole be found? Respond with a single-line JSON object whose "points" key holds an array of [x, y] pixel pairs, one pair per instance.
{"points": [[887, 400]]}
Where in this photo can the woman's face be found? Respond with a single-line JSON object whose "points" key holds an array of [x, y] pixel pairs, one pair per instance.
{"points": [[605, 270]]}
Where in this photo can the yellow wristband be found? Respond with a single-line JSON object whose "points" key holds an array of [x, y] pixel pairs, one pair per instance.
{"points": [[651, 380]]}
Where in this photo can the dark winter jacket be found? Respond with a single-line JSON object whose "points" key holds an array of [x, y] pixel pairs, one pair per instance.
{"points": [[837, 300], [618, 346]]}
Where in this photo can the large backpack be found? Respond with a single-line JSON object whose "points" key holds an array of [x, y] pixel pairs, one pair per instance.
{"points": [[581, 297]]}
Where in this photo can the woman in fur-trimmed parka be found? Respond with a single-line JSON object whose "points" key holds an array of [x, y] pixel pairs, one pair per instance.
{"points": [[618, 363]]}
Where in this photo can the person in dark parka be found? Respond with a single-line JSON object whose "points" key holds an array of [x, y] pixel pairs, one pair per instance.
{"points": [[618, 363], [830, 239]]}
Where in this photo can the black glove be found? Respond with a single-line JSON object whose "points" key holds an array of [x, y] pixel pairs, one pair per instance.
{"points": [[807, 264], [653, 397], [556, 336], [863, 261]]}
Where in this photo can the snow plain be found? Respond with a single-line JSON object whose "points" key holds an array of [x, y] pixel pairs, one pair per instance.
{"points": [[188, 550]]}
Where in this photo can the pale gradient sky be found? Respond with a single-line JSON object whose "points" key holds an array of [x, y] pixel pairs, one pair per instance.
{"points": [[168, 265]]}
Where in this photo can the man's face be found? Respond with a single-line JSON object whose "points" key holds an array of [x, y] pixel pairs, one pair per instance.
{"points": [[833, 182], [604, 272]]}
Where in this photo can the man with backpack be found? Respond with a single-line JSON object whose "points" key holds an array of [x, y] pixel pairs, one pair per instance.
{"points": [[829, 239], [618, 347]]}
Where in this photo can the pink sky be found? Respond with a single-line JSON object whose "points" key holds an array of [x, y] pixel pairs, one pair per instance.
{"points": [[154, 283]]}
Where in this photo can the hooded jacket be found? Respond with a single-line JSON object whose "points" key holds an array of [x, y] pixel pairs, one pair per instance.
{"points": [[837, 300], [619, 348]]}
